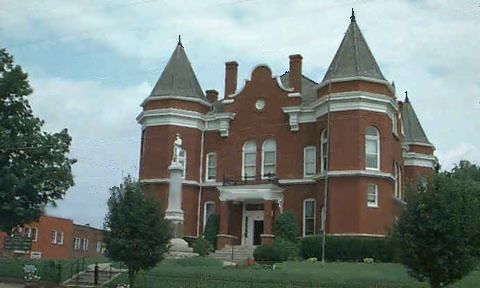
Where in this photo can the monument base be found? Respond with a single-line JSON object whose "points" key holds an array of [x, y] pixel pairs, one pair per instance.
{"points": [[178, 248]]}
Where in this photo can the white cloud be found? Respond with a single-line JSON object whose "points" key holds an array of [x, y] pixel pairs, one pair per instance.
{"points": [[461, 152], [428, 48], [106, 137]]}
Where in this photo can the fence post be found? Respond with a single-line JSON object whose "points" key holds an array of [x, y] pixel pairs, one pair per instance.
{"points": [[59, 273], [95, 275]]}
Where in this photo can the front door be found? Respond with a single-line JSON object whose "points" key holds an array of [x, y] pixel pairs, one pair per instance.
{"points": [[252, 227], [257, 231]]}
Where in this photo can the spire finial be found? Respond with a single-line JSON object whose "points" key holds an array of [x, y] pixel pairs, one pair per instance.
{"points": [[352, 18], [406, 97], [179, 40]]}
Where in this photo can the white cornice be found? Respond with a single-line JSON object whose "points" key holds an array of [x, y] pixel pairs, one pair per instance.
{"points": [[186, 118], [172, 116], [296, 181], [345, 101], [359, 173], [250, 192], [172, 97], [419, 160]]}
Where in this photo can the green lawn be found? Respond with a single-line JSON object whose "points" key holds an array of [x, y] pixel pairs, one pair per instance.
{"points": [[48, 270], [209, 273]]}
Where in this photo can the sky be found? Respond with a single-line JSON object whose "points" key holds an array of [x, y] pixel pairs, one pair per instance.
{"points": [[92, 62]]}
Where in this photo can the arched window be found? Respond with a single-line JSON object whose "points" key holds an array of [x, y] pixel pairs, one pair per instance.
{"points": [[249, 159], [372, 148], [323, 151], [269, 158], [308, 217], [208, 210], [182, 159]]}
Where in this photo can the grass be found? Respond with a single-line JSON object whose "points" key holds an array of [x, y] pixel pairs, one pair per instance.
{"points": [[204, 272], [49, 270]]}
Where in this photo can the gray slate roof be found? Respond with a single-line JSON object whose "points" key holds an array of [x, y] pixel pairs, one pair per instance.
{"points": [[178, 78], [353, 57], [309, 94], [412, 128]]}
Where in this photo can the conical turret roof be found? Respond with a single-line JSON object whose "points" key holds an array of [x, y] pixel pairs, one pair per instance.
{"points": [[413, 130], [353, 57], [178, 77]]}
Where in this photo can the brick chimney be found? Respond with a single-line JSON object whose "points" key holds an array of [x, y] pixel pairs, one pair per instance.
{"points": [[295, 75], [212, 95], [231, 69]]}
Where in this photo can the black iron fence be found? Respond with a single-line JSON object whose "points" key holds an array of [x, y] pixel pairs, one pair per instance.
{"points": [[157, 280], [258, 179]]}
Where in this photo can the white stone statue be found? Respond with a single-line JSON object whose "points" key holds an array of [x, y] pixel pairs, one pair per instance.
{"points": [[177, 148]]}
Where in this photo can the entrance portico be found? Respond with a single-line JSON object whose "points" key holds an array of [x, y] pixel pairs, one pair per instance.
{"points": [[258, 203]]}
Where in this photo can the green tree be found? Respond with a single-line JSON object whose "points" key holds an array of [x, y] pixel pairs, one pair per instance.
{"points": [[136, 232], [211, 229], [438, 234], [286, 227], [34, 167]]}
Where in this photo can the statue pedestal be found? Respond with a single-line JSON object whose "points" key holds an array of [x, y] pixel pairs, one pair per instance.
{"points": [[174, 212], [178, 248]]}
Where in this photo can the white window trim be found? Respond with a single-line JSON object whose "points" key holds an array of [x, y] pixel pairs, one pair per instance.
{"points": [[314, 215], [369, 204], [207, 167], [394, 124], [243, 158], [35, 239], [99, 247], [377, 139], [27, 235], [53, 237], [184, 158], [263, 176], [205, 212], [60, 242], [305, 161], [323, 140], [76, 243], [85, 244]]}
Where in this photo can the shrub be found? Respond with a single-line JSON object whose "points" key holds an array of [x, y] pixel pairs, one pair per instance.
{"points": [[211, 229], [285, 227], [339, 248], [290, 249], [201, 246], [270, 253]]}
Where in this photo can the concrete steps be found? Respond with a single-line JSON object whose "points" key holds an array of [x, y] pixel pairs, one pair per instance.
{"points": [[86, 278], [238, 254]]}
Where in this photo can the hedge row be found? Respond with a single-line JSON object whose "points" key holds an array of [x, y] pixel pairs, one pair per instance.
{"points": [[341, 248]]}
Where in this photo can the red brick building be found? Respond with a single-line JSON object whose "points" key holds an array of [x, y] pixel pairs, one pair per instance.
{"points": [[58, 238], [283, 143]]}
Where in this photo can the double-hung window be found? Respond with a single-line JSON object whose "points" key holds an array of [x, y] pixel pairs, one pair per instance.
{"points": [[372, 148], [249, 170], [372, 195], [208, 210], [211, 169], [269, 158], [182, 159], [309, 163], [308, 217], [323, 151]]}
